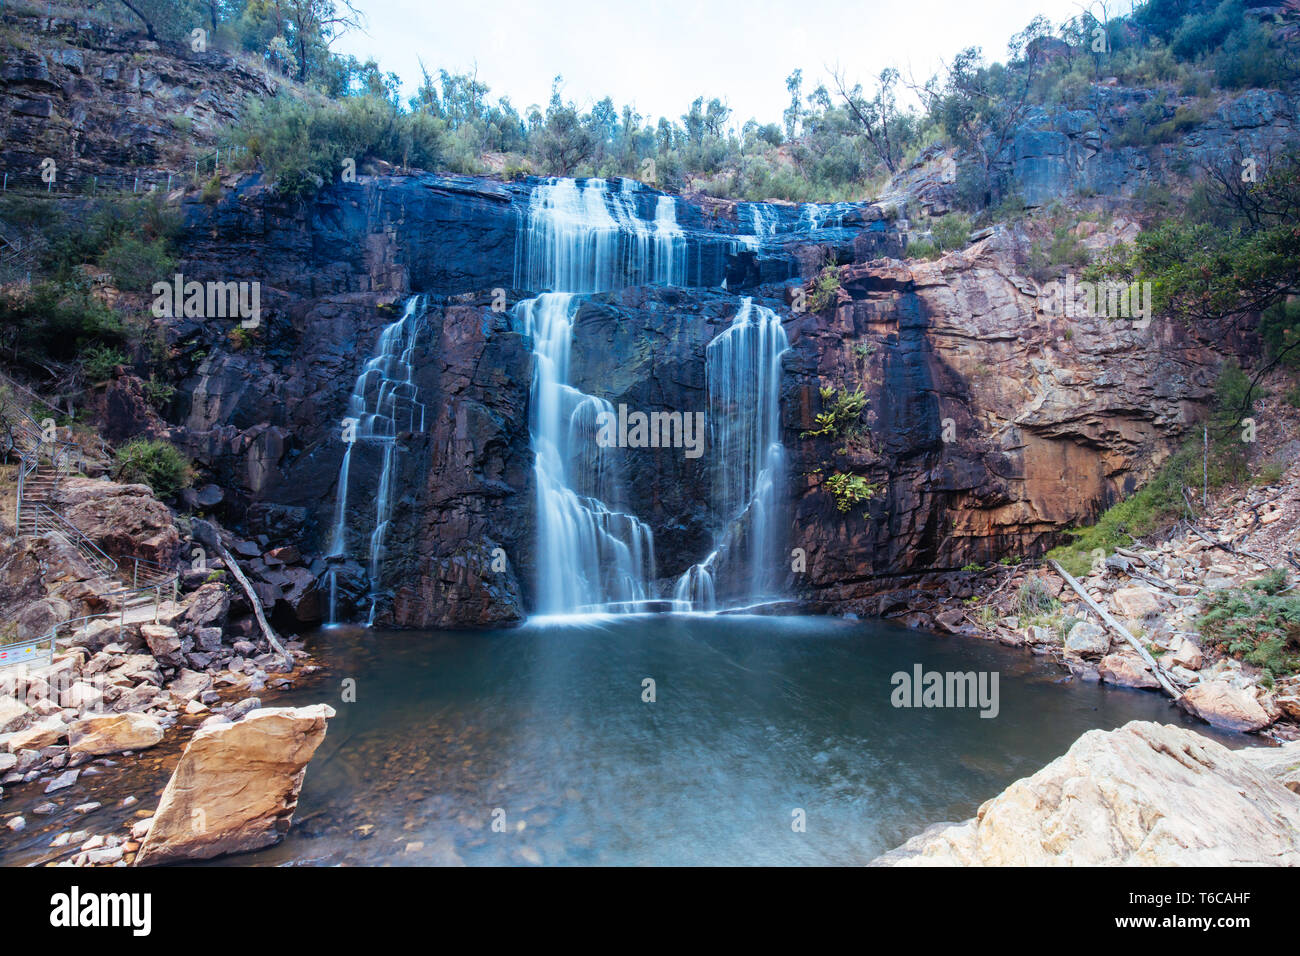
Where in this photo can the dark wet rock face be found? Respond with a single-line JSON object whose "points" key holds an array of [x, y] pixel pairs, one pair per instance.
{"points": [[990, 428]]}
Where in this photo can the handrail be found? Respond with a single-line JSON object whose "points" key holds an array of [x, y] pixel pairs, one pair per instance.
{"points": [[145, 575], [96, 556]]}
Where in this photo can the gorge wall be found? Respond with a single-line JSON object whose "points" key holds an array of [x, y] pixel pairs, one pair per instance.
{"points": [[1049, 420]]}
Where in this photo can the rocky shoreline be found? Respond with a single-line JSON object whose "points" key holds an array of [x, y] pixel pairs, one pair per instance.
{"points": [[1146, 794], [1156, 592]]}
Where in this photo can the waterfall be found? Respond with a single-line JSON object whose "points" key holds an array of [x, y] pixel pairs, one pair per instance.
{"points": [[743, 375], [585, 237], [580, 238], [591, 557], [670, 243], [384, 402]]}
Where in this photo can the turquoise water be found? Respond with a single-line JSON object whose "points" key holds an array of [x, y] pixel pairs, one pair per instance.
{"points": [[754, 719]]}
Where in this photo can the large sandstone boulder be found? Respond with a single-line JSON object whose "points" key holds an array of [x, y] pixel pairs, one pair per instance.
{"points": [[1086, 640], [237, 785], [113, 733], [1126, 670], [1222, 705], [1280, 763], [125, 520], [1144, 795], [1136, 604], [207, 607]]}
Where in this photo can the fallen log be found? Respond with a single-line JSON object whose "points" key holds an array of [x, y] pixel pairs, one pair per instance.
{"points": [[207, 535], [1119, 629]]}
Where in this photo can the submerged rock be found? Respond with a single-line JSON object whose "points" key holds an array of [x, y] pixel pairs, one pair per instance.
{"points": [[113, 733], [1146, 794], [236, 787]]}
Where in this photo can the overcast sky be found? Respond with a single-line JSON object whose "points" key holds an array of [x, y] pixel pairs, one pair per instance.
{"points": [[660, 54]]}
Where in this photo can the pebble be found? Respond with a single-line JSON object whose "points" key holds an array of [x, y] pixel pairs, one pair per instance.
{"points": [[87, 807], [16, 824], [65, 779]]}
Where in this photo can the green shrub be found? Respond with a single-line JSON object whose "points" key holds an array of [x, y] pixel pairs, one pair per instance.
{"points": [[154, 463], [212, 191], [158, 393], [136, 264], [56, 321], [1279, 327], [849, 490], [825, 289], [951, 231], [98, 362], [923, 249], [303, 146], [1034, 598], [1061, 250], [841, 411], [1257, 624]]}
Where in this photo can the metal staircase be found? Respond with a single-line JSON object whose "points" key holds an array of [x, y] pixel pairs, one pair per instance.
{"points": [[132, 587]]}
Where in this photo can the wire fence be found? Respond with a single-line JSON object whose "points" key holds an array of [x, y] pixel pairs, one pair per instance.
{"points": [[53, 181]]}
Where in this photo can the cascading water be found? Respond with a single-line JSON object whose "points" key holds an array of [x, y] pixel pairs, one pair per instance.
{"points": [[591, 558], [743, 373], [582, 238], [586, 237], [670, 243], [384, 402]]}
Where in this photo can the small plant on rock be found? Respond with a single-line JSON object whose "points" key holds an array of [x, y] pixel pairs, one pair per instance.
{"points": [[848, 490]]}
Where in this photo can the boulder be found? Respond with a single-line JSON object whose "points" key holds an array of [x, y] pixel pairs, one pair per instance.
{"points": [[1146, 794], [236, 787], [1126, 670], [188, 685], [38, 618], [1220, 704], [14, 714], [1136, 604], [125, 520], [206, 607], [96, 633], [164, 643], [1189, 655], [135, 668], [1086, 640], [1281, 763], [43, 733], [82, 696], [113, 733]]}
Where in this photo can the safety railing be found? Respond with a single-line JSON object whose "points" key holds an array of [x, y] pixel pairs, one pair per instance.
{"points": [[133, 582], [37, 651]]}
